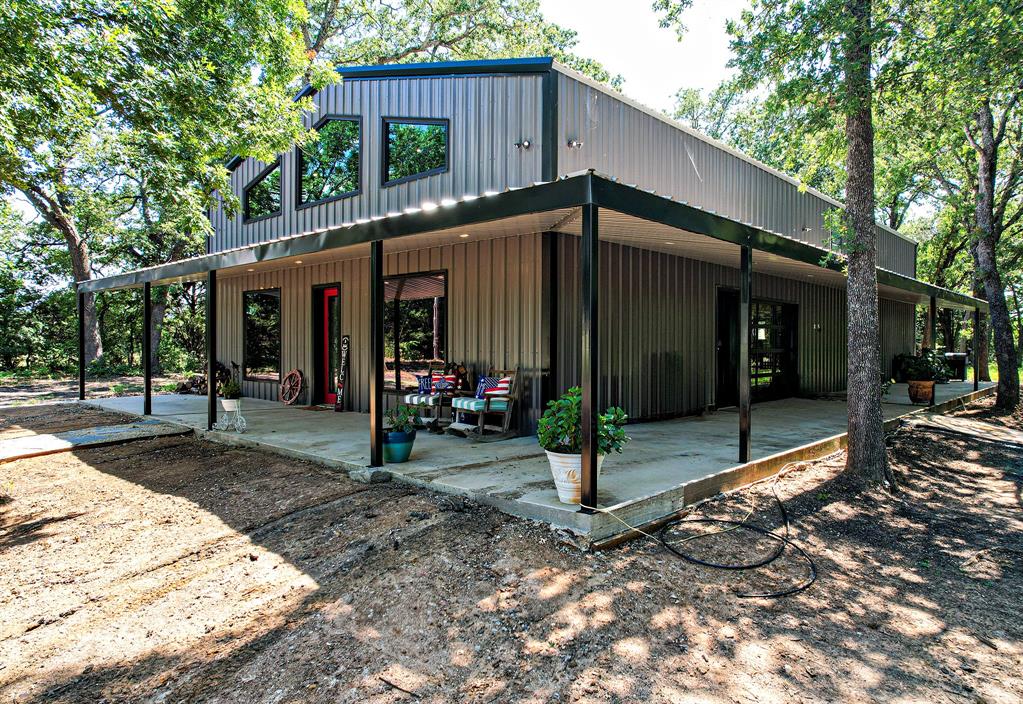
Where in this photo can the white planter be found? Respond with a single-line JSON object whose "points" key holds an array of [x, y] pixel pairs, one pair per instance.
{"points": [[231, 404], [567, 471]]}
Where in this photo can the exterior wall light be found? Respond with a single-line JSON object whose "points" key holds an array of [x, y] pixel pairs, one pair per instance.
{"points": [[575, 144], [524, 144]]}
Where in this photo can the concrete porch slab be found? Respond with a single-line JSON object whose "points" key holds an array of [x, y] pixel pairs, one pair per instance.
{"points": [[51, 443], [667, 465]]}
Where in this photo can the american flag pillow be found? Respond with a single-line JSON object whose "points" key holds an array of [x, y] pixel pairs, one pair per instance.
{"points": [[443, 382], [501, 388], [485, 383]]}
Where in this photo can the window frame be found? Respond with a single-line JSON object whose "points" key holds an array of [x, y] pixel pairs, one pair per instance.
{"points": [[385, 148], [280, 332], [447, 311], [246, 217], [357, 119]]}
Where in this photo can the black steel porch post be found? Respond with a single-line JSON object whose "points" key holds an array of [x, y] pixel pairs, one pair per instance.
{"points": [[976, 349], [932, 323], [147, 347], [376, 353], [745, 289], [211, 349], [589, 268], [81, 345]]}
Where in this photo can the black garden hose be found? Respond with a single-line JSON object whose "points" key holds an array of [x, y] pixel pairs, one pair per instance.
{"points": [[782, 540]]}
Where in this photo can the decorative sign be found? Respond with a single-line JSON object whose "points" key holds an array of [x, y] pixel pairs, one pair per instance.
{"points": [[342, 373]]}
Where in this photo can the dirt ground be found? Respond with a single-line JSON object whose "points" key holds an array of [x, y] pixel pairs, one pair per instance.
{"points": [[175, 570], [19, 392]]}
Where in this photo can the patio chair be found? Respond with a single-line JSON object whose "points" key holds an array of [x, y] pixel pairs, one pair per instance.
{"points": [[441, 383], [496, 394]]}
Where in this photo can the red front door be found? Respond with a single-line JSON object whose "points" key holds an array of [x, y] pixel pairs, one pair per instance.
{"points": [[331, 334]]}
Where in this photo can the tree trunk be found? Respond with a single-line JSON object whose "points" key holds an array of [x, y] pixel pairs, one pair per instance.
{"points": [[81, 262], [984, 333], [866, 458], [986, 263], [161, 301]]}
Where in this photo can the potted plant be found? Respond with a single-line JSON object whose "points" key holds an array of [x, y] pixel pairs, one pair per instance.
{"points": [[920, 376], [399, 433], [560, 435], [231, 392]]}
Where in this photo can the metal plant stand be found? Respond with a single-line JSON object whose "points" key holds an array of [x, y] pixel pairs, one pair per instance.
{"points": [[231, 420]]}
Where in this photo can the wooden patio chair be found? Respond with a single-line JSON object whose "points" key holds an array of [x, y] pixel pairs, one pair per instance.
{"points": [[496, 394], [432, 396]]}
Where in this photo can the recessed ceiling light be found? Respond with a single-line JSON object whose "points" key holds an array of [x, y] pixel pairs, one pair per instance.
{"points": [[669, 243], [298, 261], [464, 234], [250, 270]]}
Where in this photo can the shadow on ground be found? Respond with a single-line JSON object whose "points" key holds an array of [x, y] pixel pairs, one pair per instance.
{"points": [[197, 573]]}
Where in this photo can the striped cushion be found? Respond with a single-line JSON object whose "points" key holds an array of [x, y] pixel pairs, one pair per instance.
{"points": [[422, 399], [501, 388], [477, 404]]}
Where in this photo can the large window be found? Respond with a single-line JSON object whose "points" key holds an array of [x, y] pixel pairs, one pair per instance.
{"points": [[328, 168], [263, 195], [415, 326], [414, 148], [262, 335]]}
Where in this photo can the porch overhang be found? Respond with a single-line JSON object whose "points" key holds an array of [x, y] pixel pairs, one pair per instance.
{"points": [[553, 205]]}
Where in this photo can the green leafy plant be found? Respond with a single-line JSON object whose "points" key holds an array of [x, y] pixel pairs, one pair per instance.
{"points": [[928, 366], [401, 419], [560, 427], [231, 389]]}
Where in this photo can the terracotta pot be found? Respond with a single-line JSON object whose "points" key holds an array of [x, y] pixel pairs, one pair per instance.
{"points": [[921, 391], [568, 473]]}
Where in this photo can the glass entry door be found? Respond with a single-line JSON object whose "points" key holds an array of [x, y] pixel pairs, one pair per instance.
{"points": [[330, 336], [772, 350]]}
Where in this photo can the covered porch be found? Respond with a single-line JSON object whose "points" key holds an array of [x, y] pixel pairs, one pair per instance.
{"points": [[669, 463], [592, 213]]}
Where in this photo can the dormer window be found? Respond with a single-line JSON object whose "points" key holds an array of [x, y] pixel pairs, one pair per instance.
{"points": [[328, 168], [414, 148], [263, 196]]}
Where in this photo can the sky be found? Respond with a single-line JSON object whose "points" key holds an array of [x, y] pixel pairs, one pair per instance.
{"points": [[653, 62]]}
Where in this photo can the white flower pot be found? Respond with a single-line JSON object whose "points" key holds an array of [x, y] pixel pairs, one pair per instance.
{"points": [[568, 473], [231, 404]]}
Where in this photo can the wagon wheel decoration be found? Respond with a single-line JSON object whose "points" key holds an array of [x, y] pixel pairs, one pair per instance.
{"points": [[291, 387]]}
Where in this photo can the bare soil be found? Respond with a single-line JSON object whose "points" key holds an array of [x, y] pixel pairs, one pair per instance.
{"points": [[179, 570]]}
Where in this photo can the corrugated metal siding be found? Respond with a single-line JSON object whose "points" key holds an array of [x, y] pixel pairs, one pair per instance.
{"points": [[637, 148], [488, 115], [658, 336], [493, 312]]}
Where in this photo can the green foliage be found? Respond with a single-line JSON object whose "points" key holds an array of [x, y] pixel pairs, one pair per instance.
{"points": [[927, 366], [414, 149], [401, 419], [262, 328], [264, 197], [231, 389], [560, 429]]}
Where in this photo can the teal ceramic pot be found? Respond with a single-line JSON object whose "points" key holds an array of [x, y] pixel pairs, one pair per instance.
{"points": [[398, 446]]}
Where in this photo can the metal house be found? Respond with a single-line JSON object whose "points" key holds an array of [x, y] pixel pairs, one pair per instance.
{"points": [[514, 214]]}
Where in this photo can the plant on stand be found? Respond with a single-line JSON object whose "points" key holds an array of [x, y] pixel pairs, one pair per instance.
{"points": [[399, 433], [560, 434]]}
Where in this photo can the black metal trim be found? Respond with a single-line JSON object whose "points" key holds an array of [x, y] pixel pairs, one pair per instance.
{"points": [[448, 68], [549, 145], [211, 348], [376, 353], [299, 205], [589, 367], [81, 344], [280, 332], [246, 218], [745, 323], [147, 348], [385, 151]]}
